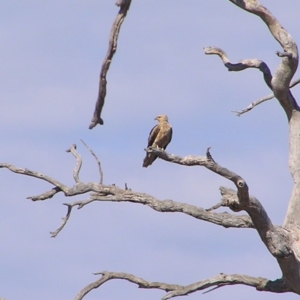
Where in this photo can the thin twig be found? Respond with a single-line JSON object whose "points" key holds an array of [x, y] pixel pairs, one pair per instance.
{"points": [[65, 220], [97, 160], [215, 207], [261, 100]]}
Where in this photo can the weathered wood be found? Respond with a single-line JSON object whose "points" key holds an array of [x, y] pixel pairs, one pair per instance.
{"points": [[112, 48]]}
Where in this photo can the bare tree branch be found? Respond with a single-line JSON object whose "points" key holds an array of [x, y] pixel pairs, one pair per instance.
{"points": [[115, 194], [64, 221], [205, 161], [112, 48], [38, 175], [174, 290], [253, 104], [77, 169], [46, 195], [269, 97], [242, 65], [77, 189], [261, 100], [97, 160]]}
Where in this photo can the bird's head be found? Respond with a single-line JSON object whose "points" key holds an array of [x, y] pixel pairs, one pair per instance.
{"points": [[161, 118]]}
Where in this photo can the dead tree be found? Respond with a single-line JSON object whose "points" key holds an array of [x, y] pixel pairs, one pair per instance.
{"points": [[281, 241]]}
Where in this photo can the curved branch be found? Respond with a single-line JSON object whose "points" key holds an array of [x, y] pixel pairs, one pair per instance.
{"points": [[112, 48], [64, 221], [174, 290], [38, 175], [242, 65], [76, 170]]}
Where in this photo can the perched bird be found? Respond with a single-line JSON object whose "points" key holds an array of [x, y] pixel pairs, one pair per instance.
{"points": [[160, 136]]}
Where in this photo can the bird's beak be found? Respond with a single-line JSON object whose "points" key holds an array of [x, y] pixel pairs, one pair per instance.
{"points": [[156, 118]]}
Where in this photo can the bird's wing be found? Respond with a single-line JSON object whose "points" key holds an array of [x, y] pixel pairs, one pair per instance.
{"points": [[168, 138], [153, 135]]}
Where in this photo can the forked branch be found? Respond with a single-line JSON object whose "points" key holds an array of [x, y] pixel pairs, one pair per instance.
{"points": [[174, 290], [78, 189]]}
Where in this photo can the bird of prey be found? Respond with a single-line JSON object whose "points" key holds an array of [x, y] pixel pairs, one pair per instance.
{"points": [[160, 136]]}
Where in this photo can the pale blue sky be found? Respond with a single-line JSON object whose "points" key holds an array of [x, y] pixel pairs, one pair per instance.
{"points": [[51, 54]]}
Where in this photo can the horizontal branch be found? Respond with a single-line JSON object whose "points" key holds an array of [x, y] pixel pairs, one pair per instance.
{"points": [[115, 194], [174, 290], [77, 189], [59, 186], [241, 65]]}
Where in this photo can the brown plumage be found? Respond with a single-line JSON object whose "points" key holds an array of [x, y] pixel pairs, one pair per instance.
{"points": [[160, 136]]}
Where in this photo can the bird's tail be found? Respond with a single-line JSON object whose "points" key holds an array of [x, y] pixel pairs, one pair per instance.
{"points": [[149, 159]]}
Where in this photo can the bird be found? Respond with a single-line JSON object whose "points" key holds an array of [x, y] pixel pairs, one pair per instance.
{"points": [[160, 136]]}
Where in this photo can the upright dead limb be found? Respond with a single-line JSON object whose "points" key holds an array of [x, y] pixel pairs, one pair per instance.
{"points": [[112, 48]]}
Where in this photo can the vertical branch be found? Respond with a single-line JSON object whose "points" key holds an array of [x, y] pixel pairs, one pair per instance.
{"points": [[76, 170], [292, 218], [112, 48]]}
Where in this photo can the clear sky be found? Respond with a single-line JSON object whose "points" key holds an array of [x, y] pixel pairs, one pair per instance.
{"points": [[51, 53]]}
